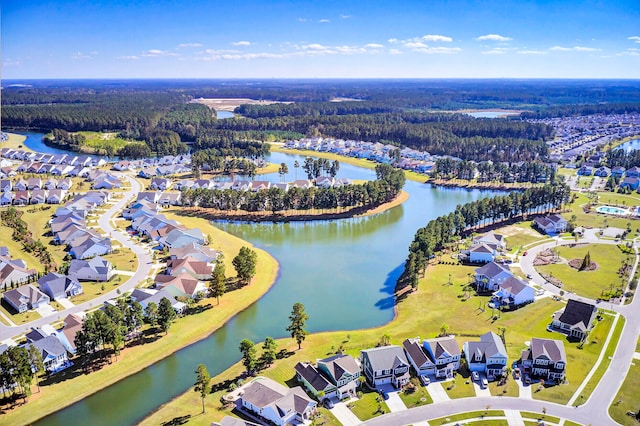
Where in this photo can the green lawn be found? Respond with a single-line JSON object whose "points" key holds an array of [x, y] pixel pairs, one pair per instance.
{"points": [[597, 220], [521, 234], [579, 362], [370, 405], [510, 388], [536, 416], [99, 140], [588, 283], [123, 259], [604, 364], [627, 398], [459, 387], [19, 318], [419, 397]]}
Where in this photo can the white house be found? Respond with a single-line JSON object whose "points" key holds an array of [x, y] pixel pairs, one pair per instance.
{"points": [[491, 275], [488, 356], [482, 253], [551, 224], [514, 292]]}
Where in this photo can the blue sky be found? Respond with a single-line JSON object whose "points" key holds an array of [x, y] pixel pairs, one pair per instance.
{"points": [[320, 39]]}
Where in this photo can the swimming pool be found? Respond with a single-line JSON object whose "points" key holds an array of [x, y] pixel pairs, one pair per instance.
{"points": [[612, 210]]}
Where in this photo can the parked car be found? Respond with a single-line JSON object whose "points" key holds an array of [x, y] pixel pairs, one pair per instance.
{"points": [[529, 276], [485, 383], [527, 379], [525, 253], [384, 394], [475, 376], [425, 380]]}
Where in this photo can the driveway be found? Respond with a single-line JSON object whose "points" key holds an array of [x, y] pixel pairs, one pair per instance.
{"points": [[66, 303], [437, 392], [395, 403], [524, 389], [480, 391], [344, 415], [45, 310]]}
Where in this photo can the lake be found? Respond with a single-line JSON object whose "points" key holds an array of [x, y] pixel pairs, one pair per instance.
{"points": [[224, 114], [343, 271], [630, 145]]}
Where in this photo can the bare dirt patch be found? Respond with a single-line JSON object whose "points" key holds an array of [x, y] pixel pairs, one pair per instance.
{"points": [[577, 263], [511, 230], [229, 104]]}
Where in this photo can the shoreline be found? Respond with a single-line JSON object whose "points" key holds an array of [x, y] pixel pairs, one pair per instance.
{"points": [[15, 141], [479, 185], [266, 216], [185, 332]]}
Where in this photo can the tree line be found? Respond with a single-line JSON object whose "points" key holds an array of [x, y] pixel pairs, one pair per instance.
{"points": [[448, 168], [389, 182], [443, 230]]}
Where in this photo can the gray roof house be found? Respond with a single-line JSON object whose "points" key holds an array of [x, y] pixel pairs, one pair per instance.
{"points": [[385, 365], [277, 404], [488, 355], [576, 319], [336, 376], [95, 269], [25, 297], [182, 237], [491, 275], [545, 358], [53, 353], [438, 357], [58, 286]]}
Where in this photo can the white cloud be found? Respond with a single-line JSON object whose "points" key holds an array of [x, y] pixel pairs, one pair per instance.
{"points": [[395, 51], [436, 37], [629, 52], [302, 19], [80, 55], [439, 50], [181, 45], [493, 52], [323, 21], [129, 57], [573, 49], [634, 38], [532, 52], [415, 45], [373, 46], [393, 40], [345, 16], [493, 37], [241, 43], [314, 46], [153, 53]]}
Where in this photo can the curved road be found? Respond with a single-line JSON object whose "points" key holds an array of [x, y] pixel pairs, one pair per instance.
{"points": [[594, 411], [144, 268]]}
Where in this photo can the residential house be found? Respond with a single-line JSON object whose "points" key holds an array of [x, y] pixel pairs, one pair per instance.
{"points": [[6, 198], [551, 224], [21, 198], [491, 239], [336, 376], [277, 404], [144, 296], [633, 172], [6, 185], [194, 251], [51, 184], [439, 357], [95, 269], [545, 359], [25, 297], [603, 172], [576, 319], [56, 196], [90, 247], [34, 183], [489, 276], [151, 196], [182, 237], [325, 181], [585, 170], [170, 199], [58, 286], [617, 171], [21, 185], [65, 183], [14, 272], [385, 365], [197, 269], [54, 355], [631, 183], [488, 356], [38, 196], [183, 285], [72, 325], [482, 253], [161, 184], [514, 292]]}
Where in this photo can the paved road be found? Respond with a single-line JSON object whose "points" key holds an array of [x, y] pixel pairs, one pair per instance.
{"points": [[594, 411], [144, 268]]}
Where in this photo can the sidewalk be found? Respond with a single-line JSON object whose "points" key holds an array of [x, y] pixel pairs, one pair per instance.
{"points": [[344, 415]]}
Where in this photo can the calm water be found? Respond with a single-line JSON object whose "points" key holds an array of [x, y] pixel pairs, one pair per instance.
{"points": [[630, 145], [342, 271], [490, 114], [34, 142], [224, 114]]}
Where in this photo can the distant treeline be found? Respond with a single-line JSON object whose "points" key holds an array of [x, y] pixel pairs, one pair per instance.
{"points": [[576, 110], [446, 229], [447, 168]]}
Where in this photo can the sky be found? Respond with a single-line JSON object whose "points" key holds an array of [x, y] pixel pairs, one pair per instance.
{"points": [[320, 39]]}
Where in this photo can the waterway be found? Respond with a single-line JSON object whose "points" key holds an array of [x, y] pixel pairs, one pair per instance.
{"points": [[630, 145], [343, 271], [224, 114], [34, 142]]}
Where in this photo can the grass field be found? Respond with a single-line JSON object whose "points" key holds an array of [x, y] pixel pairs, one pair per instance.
{"points": [[510, 388], [597, 220], [99, 141], [627, 397], [15, 141], [541, 416], [604, 364], [370, 405], [459, 387], [588, 283], [70, 387], [417, 398], [469, 415], [521, 234]]}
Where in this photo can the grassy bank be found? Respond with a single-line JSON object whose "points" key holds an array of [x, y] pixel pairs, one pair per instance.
{"points": [[185, 331], [627, 398], [15, 141]]}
